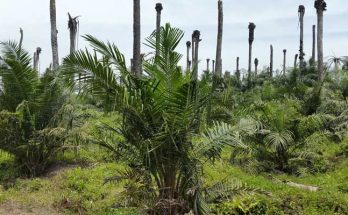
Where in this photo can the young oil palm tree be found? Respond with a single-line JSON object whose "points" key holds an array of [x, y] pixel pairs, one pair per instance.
{"points": [[137, 67], [28, 106], [54, 34], [218, 60], [161, 111], [18, 78], [336, 61], [320, 6]]}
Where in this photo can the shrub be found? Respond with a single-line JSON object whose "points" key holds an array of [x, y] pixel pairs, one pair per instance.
{"points": [[33, 150]]}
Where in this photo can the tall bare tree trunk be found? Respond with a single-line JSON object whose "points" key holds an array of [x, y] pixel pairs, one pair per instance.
{"points": [[295, 61], [320, 5], [218, 69], [137, 68], [313, 44], [159, 9], [197, 40], [54, 35], [284, 62], [188, 46], [256, 62], [271, 62], [208, 67], [251, 27], [301, 12], [37, 59], [73, 27], [227, 75], [193, 52], [21, 38], [237, 69], [213, 67]]}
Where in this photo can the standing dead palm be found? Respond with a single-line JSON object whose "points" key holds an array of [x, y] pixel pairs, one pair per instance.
{"points": [[37, 59], [196, 40], [320, 6], [73, 25], [284, 62], [313, 44], [54, 34], [256, 62], [218, 60], [159, 9], [137, 67], [188, 62], [271, 62], [301, 12], [251, 27]]}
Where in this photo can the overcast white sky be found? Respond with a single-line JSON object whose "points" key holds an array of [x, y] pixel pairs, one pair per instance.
{"points": [[276, 21]]}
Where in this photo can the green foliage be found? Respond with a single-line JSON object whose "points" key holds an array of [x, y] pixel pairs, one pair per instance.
{"points": [[32, 149], [18, 79], [33, 131]]}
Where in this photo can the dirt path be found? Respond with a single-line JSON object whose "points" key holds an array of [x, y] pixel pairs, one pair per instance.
{"points": [[12, 208]]}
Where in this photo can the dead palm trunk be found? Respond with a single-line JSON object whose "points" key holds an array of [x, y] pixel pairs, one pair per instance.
{"points": [[237, 70], [227, 75], [208, 61], [213, 67], [301, 12], [137, 70], [271, 62], [54, 35], [251, 27], [159, 9], [73, 27], [256, 62], [37, 59], [313, 44], [188, 46], [320, 5], [193, 53], [284, 62], [218, 69], [197, 40], [21, 38], [295, 61]]}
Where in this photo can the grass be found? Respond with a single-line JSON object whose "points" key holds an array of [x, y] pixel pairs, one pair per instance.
{"points": [[70, 189], [77, 186], [332, 198]]}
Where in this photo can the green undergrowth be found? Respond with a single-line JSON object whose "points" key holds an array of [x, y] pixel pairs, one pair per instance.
{"points": [[332, 197], [77, 186]]}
